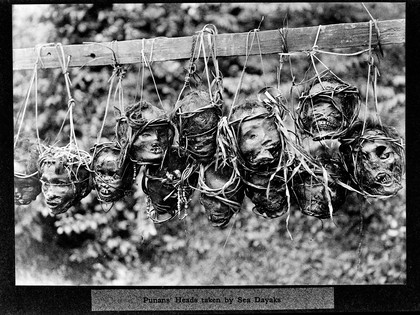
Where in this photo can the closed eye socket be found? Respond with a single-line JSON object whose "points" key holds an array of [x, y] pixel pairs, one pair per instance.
{"points": [[249, 135], [385, 155], [163, 133], [207, 141], [28, 187]]}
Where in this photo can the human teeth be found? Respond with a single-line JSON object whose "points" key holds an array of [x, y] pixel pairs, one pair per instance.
{"points": [[325, 124], [384, 179]]}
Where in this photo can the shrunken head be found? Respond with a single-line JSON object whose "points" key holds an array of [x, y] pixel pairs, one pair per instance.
{"points": [[258, 138], [112, 172], [319, 194], [269, 196], [65, 177], [222, 193], [374, 155], [328, 108], [197, 120], [26, 178], [160, 184], [152, 133]]}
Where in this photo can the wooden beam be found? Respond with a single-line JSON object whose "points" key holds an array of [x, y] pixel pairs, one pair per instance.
{"points": [[331, 37]]}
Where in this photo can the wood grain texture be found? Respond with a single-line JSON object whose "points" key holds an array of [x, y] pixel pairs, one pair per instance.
{"points": [[331, 37]]}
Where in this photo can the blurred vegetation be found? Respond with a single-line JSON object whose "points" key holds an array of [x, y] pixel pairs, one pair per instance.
{"points": [[365, 244]]}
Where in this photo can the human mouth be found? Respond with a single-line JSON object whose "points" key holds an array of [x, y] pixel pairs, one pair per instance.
{"points": [[325, 124], [22, 201], [384, 179], [53, 204], [105, 194], [156, 150]]}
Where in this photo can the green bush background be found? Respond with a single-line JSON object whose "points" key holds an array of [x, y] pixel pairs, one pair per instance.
{"points": [[364, 245]]}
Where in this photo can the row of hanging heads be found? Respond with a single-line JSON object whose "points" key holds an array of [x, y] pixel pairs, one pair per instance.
{"points": [[250, 151]]}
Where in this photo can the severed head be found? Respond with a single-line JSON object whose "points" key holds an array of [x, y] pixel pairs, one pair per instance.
{"points": [[152, 133], [64, 173], [258, 138], [328, 107], [374, 156], [268, 195], [222, 193], [197, 120], [112, 172], [26, 178], [319, 193], [165, 189]]}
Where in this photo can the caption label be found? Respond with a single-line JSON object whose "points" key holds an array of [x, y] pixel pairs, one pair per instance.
{"points": [[212, 299]]}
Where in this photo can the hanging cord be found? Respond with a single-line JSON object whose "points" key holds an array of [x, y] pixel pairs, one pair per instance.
{"points": [[148, 65], [377, 30], [314, 50], [215, 103], [285, 49], [203, 48], [192, 67], [312, 55], [254, 32], [71, 103], [120, 73], [371, 67], [218, 77], [111, 80], [247, 52], [212, 32], [24, 106], [288, 56], [260, 52], [22, 110]]}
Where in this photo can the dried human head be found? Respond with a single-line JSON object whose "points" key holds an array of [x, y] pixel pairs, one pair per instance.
{"points": [[320, 193], [165, 188], [258, 138], [197, 120], [222, 193], [64, 174], [268, 195], [152, 133], [328, 107], [26, 178], [112, 172], [374, 155]]}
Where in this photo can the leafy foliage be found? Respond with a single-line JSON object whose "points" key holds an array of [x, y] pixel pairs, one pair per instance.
{"points": [[366, 244]]}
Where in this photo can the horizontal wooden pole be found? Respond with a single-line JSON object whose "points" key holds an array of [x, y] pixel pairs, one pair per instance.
{"points": [[334, 36]]}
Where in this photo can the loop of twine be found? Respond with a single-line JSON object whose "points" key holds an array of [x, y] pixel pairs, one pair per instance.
{"points": [[148, 65]]}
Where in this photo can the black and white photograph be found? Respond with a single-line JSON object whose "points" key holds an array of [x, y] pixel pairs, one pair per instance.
{"points": [[210, 145]]}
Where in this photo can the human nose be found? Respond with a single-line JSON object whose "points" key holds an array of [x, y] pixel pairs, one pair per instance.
{"points": [[155, 136], [49, 193]]}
